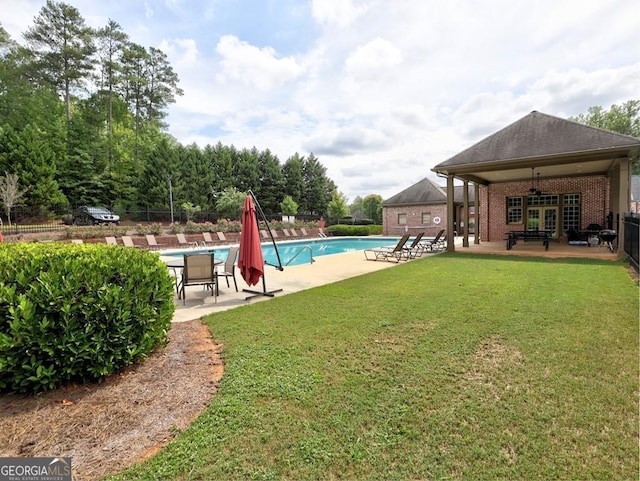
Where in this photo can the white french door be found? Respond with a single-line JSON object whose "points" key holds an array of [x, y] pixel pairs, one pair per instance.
{"points": [[543, 218]]}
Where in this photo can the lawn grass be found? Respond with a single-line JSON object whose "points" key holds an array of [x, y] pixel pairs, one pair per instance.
{"points": [[455, 366]]}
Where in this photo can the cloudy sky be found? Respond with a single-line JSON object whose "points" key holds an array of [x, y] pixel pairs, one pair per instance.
{"points": [[379, 90]]}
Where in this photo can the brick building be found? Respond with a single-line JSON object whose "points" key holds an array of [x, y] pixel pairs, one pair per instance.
{"points": [[422, 207], [543, 172]]}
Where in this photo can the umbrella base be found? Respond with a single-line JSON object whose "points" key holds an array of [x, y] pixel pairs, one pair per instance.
{"points": [[260, 293]]}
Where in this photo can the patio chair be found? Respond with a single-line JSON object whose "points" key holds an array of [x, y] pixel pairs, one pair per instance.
{"points": [[390, 253], [435, 244], [199, 270], [111, 241], [229, 267], [182, 241], [152, 242]]}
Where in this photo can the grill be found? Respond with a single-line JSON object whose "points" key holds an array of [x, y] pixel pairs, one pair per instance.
{"points": [[607, 237]]}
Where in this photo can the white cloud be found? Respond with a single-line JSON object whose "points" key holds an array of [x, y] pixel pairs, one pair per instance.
{"points": [[380, 90], [253, 66], [372, 59], [181, 50], [336, 12]]}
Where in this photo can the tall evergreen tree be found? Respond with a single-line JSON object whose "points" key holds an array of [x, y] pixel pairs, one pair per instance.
{"points": [[153, 184], [220, 161], [111, 42], [245, 170], [161, 85], [28, 155], [271, 181], [318, 190], [195, 179], [62, 45], [294, 179]]}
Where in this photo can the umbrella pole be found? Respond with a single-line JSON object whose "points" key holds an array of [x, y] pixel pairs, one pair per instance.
{"points": [[264, 291]]}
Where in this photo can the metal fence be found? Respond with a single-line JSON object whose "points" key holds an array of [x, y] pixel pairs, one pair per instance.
{"points": [[30, 220], [632, 239]]}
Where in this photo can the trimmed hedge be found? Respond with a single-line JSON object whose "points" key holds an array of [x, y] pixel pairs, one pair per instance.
{"points": [[77, 313], [357, 230]]}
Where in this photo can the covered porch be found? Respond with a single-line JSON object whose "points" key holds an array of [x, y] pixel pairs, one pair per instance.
{"points": [[543, 173], [536, 249]]}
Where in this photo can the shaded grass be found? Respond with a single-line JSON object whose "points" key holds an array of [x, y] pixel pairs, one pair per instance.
{"points": [[454, 366]]}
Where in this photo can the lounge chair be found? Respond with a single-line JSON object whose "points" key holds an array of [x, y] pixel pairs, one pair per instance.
{"points": [[127, 241], [229, 268], [294, 233], [304, 231], [415, 249], [182, 241], [264, 234], [152, 242], [198, 270], [390, 253], [222, 237], [208, 240], [435, 244], [111, 241], [286, 232]]}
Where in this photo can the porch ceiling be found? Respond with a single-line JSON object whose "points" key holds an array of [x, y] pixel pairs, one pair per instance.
{"points": [[520, 170]]}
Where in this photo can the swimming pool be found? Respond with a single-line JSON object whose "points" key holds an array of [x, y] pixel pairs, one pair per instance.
{"points": [[293, 253]]}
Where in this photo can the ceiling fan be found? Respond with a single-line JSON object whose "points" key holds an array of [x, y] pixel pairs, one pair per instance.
{"points": [[535, 189]]}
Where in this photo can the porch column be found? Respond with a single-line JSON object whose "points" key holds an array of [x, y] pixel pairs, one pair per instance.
{"points": [[465, 213], [624, 200], [450, 215], [476, 213]]}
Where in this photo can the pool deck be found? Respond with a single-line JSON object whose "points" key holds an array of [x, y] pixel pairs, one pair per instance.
{"points": [[336, 267], [325, 270]]}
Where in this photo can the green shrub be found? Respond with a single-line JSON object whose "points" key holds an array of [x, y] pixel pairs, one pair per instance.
{"points": [[93, 232], [76, 313], [145, 229], [347, 230], [375, 229]]}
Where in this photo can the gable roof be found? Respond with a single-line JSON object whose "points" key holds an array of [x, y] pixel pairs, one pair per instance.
{"points": [[422, 192], [427, 192], [562, 147], [540, 135]]}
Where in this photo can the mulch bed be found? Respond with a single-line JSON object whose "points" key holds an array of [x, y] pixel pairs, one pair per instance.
{"points": [[130, 416]]}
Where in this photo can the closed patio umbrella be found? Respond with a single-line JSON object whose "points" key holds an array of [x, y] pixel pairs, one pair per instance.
{"points": [[250, 260]]}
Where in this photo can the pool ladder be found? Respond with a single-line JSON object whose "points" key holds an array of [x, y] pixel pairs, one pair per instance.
{"points": [[312, 260]]}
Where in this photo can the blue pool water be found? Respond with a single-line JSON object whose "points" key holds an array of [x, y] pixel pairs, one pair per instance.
{"points": [[294, 253]]}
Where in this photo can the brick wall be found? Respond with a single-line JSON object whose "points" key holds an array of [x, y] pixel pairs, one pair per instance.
{"points": [[594, 192], [414, 219]]}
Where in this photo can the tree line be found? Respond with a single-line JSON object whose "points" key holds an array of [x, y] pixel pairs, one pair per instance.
{"points": [[82, 122]]}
